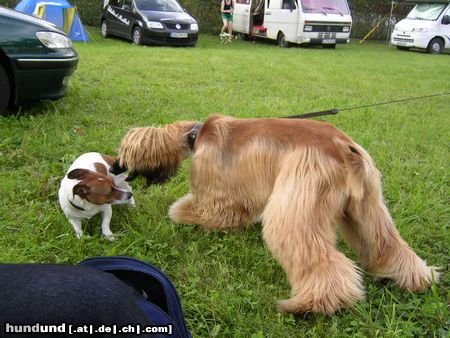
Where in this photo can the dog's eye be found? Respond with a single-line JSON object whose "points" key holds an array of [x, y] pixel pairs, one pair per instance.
{"points": [[110, 193]]}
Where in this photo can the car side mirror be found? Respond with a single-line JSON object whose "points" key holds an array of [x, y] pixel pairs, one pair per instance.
{"points": [[446, 20], [126, 7]]}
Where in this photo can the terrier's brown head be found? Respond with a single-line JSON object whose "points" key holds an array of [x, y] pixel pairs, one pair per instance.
{"points": [[97, 188]]}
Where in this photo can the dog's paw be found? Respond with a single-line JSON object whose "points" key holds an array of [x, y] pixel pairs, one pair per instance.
{"points": [[110, 237], [79, 234], [132, 203]]}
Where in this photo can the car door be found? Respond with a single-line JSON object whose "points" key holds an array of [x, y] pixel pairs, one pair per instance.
{"points": [[445, 28], [241, 16], [112, 16], [127, 14], [281, 16], [124, 17]]}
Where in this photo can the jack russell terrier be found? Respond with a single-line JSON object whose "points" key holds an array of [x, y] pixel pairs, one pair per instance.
{"points": [[88, 189]]}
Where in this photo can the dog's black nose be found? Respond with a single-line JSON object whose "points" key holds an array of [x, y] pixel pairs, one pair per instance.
{"points": [[129, 195]]}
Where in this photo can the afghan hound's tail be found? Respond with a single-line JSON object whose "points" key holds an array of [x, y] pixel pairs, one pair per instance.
{"points": [[154, 152], [370, 230]]}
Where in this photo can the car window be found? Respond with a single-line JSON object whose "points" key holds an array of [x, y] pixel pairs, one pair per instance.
{"points": [[325, 6], [275, 4], [159, 5], [289, 4], [115, 3], [426, 11]]}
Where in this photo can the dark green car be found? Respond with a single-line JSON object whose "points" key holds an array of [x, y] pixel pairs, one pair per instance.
{"points": [[36, 59]]}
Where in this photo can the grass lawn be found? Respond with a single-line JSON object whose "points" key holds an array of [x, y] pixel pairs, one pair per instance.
{"points": [[229, 282]]}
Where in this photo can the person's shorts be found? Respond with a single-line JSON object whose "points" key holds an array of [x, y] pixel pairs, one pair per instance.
{"points": [[227, 16]]}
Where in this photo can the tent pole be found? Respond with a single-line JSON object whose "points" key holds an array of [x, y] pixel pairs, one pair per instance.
{"points": [[375, 27], [388, 36]]}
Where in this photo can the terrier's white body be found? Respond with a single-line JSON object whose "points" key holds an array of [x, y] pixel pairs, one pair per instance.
{"points": [[88, 188]]}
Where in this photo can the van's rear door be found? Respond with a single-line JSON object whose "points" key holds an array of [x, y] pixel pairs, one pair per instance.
{"points": [[241, 16]]}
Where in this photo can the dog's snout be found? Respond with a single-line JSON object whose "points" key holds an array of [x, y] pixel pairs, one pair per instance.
{"points": [[129, 195]]}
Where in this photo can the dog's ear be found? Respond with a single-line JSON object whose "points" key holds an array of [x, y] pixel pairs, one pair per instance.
{"points": [[81, 190], [132, 176], [116, 168], [78, 174]]}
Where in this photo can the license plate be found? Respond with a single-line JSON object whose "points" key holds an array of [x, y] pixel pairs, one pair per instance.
{"points": [[401, 43], [329, 41], [178, 35]]}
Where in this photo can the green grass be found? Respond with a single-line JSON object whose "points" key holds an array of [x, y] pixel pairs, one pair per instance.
{"points": [[229, 282]]}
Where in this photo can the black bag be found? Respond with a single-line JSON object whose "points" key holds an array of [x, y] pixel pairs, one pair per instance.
{"points": [[97, 295], [156, 294]]}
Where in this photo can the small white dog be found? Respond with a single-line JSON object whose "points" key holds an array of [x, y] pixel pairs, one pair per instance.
{"points": [[89, 188]]}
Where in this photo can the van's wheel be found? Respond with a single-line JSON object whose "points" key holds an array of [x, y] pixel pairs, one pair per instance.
{"points": [[104, 29], [242, 36], [435, 46], [5, 92], [136, 35], [281, 40]]}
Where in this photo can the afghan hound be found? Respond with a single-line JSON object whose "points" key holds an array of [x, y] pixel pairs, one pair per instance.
{"points": [[300, 179]]}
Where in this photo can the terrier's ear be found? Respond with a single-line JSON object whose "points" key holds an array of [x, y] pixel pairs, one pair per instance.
{"points": [[81, 190], [78, 174]]}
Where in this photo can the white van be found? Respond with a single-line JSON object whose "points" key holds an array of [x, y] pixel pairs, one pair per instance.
{"points": [[325, 22], [426, 26]]}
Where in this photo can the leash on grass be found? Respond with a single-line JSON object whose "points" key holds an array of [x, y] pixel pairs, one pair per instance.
{"points": [[334, 111]]}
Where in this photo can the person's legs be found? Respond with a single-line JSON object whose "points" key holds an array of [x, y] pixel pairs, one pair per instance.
{"points": [[230, 25], [225, 24]]}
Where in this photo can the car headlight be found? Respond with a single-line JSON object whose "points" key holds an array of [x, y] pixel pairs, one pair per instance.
{"points": [[154, 24], [395, 28], [194, 27], [420, 30], [308, 28], [346, 29], [54, 40]]}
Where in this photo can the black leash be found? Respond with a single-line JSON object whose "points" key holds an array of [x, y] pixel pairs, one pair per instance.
{"points": [[335, 111], [315, 114]]}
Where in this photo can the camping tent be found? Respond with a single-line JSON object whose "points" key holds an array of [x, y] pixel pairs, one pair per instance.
{"points": [[59, 12]]}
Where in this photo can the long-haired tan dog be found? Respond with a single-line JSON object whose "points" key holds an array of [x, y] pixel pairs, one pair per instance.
{"points": [[300, 178]]}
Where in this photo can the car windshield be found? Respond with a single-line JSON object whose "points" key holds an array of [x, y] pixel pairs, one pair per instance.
{"points": [[426, 11], [325, 6], [159, 5]]}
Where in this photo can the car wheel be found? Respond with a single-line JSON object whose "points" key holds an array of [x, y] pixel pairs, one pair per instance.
{"points": [[402, 48], [281, 40], [242, 36], [104, 29], [333, 46], [5, 92], [136, 35], [435, 46]]}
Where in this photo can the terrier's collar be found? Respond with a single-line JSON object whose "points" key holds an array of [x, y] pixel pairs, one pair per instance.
{"points": [[75, 206], [192, 136]]}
